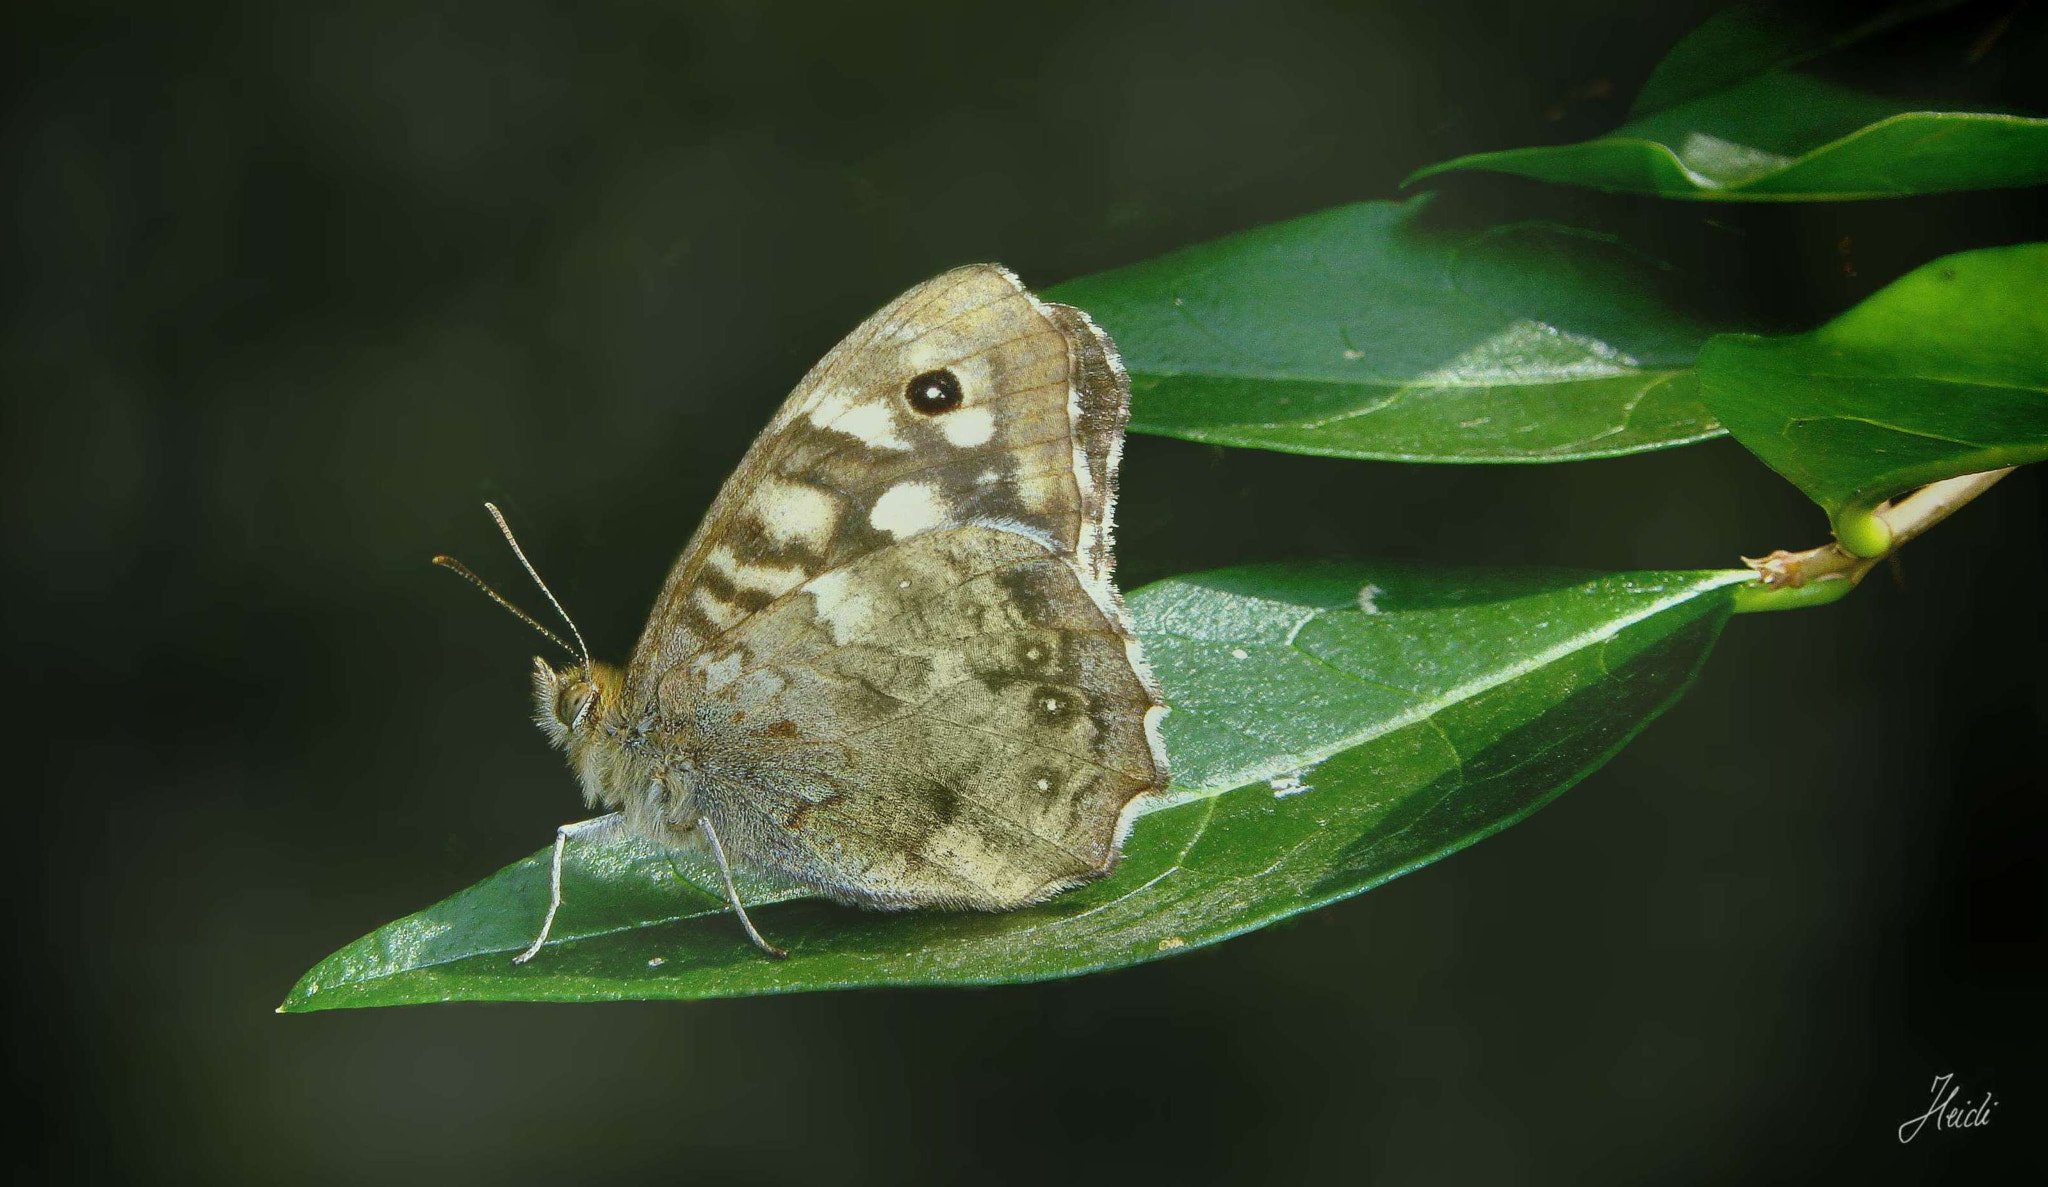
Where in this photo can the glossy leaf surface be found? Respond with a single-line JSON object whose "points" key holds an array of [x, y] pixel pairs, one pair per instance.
{"points": [[1334, 727], [1380, 331], [1942, 372]]}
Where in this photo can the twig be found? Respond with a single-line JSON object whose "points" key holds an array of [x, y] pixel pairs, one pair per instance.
{"points": [[1830, 571]]}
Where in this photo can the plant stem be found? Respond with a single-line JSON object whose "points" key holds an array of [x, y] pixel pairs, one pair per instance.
{"points": [[1817, 576]]}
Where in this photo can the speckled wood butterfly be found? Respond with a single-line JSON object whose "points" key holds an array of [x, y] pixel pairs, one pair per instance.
{"points": [[891, 664]]}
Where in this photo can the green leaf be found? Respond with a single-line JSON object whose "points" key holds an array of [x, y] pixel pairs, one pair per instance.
{"points": [[1729, 115], [1943, 372], [1333, 727], [1747, 40], [1378, 331]]}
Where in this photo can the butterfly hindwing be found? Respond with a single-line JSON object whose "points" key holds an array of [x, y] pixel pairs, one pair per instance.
{"points": [[953, 720]]}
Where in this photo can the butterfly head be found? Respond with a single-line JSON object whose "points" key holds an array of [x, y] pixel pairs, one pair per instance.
{"points": [[572, 702]]}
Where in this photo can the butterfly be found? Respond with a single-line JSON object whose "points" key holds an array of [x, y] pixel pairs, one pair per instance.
{"points": [[891, 665]]}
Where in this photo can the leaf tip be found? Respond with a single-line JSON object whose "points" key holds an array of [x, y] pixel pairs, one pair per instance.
{"points": [[299, 1000], [1429, 171]]}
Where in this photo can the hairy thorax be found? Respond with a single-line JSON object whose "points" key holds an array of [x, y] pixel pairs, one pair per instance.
{"points": [[626, 762]]}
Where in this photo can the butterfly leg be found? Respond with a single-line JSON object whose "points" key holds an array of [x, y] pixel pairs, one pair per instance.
{"points": [[596, 826], [732, 895]]}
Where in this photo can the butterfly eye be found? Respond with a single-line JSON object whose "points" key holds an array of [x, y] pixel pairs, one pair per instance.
{"points": [[933, 392], [574, 703]]}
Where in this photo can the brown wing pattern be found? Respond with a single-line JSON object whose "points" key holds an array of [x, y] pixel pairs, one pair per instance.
{"points": [[847, 466], [954, 720], [893, 654]]}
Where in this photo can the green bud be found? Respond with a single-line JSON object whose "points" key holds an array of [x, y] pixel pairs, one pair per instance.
{"points": [[1864, 534]]}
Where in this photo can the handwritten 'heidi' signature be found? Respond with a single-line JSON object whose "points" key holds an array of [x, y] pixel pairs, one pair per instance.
{"points": [[1946, 1113]]}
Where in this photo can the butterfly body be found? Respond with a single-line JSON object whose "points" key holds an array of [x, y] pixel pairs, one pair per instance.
{"points": [[891, 665]]}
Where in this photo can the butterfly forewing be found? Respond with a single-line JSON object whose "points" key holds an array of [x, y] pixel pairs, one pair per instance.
{"points": [[848, 465], [892, 652]]}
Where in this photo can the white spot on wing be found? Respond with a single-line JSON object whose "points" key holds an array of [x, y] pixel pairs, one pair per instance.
{"points": [[908, 508], [967, 427], [793, 513], [847, 611], [873, 423], [773, 580], [716, 612], [830, 404]]}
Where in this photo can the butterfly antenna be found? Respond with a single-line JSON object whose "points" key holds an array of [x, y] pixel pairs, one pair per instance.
{"points": [[461, 570], [581, 648]]}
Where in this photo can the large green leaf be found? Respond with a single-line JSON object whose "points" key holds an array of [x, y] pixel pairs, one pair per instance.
{"points": [[1943, 372], [1730, 114], [1376, 331], [1333, 727]]}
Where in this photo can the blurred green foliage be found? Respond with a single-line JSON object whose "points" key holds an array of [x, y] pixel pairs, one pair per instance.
{"points": [[1775, 102]]}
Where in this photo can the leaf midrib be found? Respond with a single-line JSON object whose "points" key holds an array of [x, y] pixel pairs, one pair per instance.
{"points": [[1662, 371], [1428, 707]]}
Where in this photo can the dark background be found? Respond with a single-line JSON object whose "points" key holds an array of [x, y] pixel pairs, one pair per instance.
{"points": [[292, 293]]}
